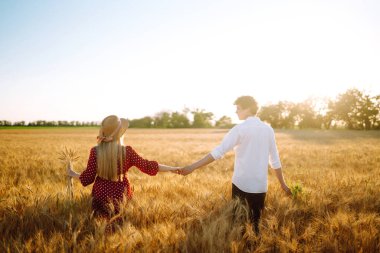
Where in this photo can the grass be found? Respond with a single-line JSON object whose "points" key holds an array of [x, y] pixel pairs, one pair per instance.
{"points": [[296, 190], [334, 177]]}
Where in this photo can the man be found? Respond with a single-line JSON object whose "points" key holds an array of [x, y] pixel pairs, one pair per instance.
{"points": [[255, 146]]}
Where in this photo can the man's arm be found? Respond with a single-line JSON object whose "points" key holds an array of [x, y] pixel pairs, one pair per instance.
{"points": [[202, 162], [229, 141], [280, 178]]}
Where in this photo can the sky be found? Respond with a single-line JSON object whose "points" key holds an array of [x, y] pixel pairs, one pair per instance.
{"points": [[84, 60]]}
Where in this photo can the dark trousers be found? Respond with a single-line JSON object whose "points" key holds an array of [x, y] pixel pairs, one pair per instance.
{"points": [[255, 202]]}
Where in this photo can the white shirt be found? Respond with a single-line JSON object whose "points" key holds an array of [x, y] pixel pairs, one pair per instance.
{"points": [[255, 147]]}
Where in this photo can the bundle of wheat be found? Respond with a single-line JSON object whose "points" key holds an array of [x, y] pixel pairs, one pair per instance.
{"points": [[67, 157]]}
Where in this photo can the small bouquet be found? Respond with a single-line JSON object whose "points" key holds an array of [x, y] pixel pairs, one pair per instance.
{"points": [[296, 190], [67, 157]]}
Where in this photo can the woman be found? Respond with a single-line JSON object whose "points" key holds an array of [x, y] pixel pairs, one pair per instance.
{"points": [[107, 166]]}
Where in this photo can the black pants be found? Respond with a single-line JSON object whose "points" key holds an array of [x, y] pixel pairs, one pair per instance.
{"points": [[255, 202]]}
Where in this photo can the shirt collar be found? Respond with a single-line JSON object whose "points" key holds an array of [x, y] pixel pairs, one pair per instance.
{"points": [[252, 118]]}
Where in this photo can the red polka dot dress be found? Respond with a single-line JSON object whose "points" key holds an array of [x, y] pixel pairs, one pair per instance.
{"points": [[106, 192]]}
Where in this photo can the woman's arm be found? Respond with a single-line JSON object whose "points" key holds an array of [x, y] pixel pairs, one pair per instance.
{"points": [[72, 173], [88, 175], [165, 168], [146, 166]]}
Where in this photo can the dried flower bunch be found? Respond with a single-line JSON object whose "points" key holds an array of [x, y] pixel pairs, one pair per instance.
{"points": [[67, 157]]}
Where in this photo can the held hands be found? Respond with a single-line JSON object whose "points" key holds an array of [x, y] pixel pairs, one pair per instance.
{"points": [[186, 170], [202, 162], [183, 171]]}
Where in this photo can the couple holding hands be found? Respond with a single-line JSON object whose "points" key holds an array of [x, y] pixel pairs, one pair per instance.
{"points": [[252, 140]]}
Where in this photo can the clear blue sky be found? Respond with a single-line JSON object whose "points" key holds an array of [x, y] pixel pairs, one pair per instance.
{"points": [[84, 60]]}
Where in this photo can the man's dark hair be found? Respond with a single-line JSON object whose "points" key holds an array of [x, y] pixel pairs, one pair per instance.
{"points": [[247, 102]]}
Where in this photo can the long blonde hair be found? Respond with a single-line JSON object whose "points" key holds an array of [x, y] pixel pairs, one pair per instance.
{"points": [[107, 156]]}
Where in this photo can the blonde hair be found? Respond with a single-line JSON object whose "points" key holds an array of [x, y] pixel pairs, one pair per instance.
{"points": [[108, 154]]}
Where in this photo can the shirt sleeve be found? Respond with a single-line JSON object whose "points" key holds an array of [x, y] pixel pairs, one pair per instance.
{"points": [[88, 175], [146, 166], [229, 142], [274, 158]]}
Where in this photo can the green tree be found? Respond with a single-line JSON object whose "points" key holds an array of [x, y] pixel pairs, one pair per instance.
{"points": [[63, 123], [356, 109], [5, 123], [146, 122], [304, 115], [287, 118], [202, 119], [224, 122], [162, 120], [368, 111], [179, 120], [19, 123], [271, 114], [278, 115], [345, 108]]}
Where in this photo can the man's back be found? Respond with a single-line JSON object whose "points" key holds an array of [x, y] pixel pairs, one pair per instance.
{"points": [[255, 146]]}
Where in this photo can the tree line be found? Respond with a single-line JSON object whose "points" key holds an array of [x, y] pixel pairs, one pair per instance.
{"points": [[352, 109], [200, 119]]}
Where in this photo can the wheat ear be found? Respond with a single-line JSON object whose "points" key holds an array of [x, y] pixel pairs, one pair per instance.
{"points": [[67, 157]]}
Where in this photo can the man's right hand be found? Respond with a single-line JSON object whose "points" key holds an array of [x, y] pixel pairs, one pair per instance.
{"points": [[286, 189]]}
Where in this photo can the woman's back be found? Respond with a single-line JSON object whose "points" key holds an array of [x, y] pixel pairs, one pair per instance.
{"points": [[107, 191]]}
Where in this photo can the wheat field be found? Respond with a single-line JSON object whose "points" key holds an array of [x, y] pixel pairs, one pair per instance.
{"points": [[335, 176]]}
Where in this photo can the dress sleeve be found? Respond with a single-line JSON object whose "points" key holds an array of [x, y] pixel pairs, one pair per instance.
{"points": [[88, 175], [146, 166]]}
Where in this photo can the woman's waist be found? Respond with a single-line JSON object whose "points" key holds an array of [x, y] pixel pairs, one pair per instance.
{"points": [[122, 180], [115, 180], [104, 188]]}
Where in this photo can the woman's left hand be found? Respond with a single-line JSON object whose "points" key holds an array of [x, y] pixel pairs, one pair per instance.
{"points": [[70, 172]]}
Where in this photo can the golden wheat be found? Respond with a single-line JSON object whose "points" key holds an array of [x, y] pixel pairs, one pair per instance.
{"points": [[336, 208], [68, 156]]}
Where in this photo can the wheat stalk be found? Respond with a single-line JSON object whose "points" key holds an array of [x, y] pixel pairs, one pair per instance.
{"points": [[67, 157]]}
